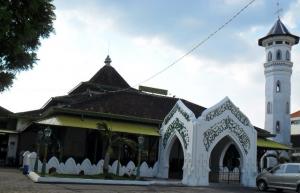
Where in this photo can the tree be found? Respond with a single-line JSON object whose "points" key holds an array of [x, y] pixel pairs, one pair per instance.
{"points": [[279, 158], [22, 24], [114, 141]]}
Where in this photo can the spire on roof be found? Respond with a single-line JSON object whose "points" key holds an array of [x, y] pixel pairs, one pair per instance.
{"points": [[277, 12], [107, 60], [278, 29]]}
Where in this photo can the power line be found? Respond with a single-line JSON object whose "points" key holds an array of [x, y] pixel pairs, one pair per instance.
{"points": [[194, 47], [200, 43]]}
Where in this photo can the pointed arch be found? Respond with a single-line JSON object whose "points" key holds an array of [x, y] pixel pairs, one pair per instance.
{"points": [[166, 152], [226, 126], [231, 140], [170, 144], [278, 86], [270, 57], [278, 55], [287, 108], [277, 126], [287, 55], [215, 158], [169, 150], [269, 108], [176, 127]]}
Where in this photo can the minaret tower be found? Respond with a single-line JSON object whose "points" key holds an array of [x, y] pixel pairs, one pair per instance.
{"points": [[278, 70]]}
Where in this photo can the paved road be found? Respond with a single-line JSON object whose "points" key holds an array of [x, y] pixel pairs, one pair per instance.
{"points": [[12, 180]]}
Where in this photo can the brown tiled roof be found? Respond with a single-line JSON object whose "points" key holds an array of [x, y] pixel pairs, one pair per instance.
{"points": [[95, 95], [110, 77], [295, 114], [262, 133], [107, 78], [4, 111], [107, 92], [132, 103]]}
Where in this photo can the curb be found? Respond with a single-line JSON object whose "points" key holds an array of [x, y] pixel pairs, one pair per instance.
{"points": [[38, 179]]}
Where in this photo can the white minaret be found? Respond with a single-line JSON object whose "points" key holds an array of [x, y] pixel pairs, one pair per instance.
{"points": [[278, 70]]}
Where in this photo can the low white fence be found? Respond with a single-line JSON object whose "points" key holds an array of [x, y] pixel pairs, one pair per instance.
{"points": [[70, 166]]}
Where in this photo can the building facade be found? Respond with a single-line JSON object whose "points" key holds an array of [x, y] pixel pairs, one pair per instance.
{"points": [[278, 70], [182, 140], [206, 142], [295, 135]]}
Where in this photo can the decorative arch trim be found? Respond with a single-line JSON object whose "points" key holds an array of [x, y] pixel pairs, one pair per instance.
{"points": [[173, 111], [228, 105], [178, 126], [211, 134]]}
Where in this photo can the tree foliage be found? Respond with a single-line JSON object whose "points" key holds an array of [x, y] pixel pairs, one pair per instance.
{"points": [[22, 24]]}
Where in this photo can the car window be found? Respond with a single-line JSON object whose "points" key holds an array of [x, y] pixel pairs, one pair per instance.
{"points": [[292, 169], [278, 169]]}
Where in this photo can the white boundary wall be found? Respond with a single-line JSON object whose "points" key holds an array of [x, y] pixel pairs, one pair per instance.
{"points": [[71, 167]]}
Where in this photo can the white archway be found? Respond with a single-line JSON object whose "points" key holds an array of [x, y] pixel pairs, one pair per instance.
{"points": [[216, 156], [198, 137], [169, 149], [165, 151]]}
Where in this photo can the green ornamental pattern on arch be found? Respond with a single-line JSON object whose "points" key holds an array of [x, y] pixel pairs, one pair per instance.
{"points": [[226, 124], [178, 126], [228, 105], [173, 111]]}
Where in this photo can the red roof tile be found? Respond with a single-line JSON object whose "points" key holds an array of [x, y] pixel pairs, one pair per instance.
{"points": [[295, 114]]}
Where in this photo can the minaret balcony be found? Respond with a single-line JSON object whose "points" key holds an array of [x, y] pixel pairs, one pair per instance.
{"points": [[283, 63]]}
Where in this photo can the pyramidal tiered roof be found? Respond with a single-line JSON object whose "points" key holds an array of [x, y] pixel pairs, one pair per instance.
{"points": [[93, 97], [107, 92], [278, 29], [109, 76]]}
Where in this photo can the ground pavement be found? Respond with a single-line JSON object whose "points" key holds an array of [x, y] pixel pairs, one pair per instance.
{"points": [[13, 181]]}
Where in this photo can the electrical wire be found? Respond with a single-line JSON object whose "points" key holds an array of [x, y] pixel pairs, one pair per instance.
{"points": [[193, 48]]}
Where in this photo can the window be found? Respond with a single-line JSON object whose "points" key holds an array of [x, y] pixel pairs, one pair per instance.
{"points": [[278, 86], [277, 126], [287, 55], [287, 43], [270, 44], [278, 169], [287, 108], [269, 108], [278, 42], [278, 55], [292, 169], [295, 122], [270, 56]]}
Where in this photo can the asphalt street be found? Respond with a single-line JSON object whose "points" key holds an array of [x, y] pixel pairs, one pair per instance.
{"points": [[12, 180]]}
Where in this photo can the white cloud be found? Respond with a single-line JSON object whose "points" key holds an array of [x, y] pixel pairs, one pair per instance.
{"points": [[78, 50], [190, 22], [292, 16]]}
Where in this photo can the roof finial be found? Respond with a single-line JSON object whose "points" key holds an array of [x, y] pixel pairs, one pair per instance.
{"points": [[278, 9], [107, 60]]}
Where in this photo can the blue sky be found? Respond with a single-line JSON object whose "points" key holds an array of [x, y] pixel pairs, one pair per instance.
{"points": [[144, 36]]}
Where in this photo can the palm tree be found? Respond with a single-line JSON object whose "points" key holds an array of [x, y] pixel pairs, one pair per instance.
{"points": [[108, 135], [113, 140], [121, 142]]}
